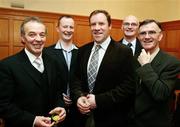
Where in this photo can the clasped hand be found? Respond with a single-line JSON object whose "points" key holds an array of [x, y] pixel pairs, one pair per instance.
{"points": [[86, 103]]}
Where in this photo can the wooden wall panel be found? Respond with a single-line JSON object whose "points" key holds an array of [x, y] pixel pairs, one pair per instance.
{"points": [[16, 32], [171, 39], [82, 33], [4, 51], [4, 31], [116, 32], [10, 20]]}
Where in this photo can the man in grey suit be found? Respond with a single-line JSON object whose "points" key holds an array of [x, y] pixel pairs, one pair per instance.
{"points": [[158, 73], [30, 83], [102, 89]]}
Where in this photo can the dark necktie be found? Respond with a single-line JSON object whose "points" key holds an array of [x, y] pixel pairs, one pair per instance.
{"points": [[92, 70], [129, 45]]}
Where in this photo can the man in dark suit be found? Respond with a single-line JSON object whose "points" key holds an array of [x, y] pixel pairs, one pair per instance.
{"points": [[65, 53], [30, 83], [129, 28], [158, 73], [102, 99]]}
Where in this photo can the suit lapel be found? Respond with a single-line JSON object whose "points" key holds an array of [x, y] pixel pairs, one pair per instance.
{"points": [[106, 57], [74, 55], [86, 56], [157, 61], [60, 54], [138, 48], [27, 66], [48, 67]]}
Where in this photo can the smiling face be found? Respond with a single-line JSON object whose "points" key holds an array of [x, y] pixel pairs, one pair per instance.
{"points": [[100, 27], [130, 26], [150, 35], [66, 29], [34, 37]]}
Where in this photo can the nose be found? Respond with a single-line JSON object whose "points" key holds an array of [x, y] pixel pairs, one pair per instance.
{"points": [[97, 27], [147, 35], [38, 38]]}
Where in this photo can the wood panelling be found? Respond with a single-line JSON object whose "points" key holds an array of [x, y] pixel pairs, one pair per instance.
{"points": [[171, 39], [4, 51], [4, 30], [82, 33], [11, 19]]}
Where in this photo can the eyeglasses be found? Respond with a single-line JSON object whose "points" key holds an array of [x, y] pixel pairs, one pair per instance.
{"points": [[127, 24], [150, 33]]}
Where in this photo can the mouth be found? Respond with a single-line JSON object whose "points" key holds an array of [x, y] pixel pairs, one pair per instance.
{"points": [[38, 46]]}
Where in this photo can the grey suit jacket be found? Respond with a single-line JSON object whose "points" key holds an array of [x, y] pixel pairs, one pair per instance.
{"points": [[154, 93]]}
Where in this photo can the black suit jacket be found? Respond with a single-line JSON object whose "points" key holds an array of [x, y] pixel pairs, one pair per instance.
{"points": [[113, 86], [21, 95], [57, 54], [72, 118], [154, 94]]}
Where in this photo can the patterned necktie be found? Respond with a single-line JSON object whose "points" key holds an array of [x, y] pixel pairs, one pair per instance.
{"points": [[39, 65], [92, 70]]}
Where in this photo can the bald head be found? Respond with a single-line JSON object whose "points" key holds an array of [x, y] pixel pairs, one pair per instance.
{"points": [[131, 18], [130, 27]]}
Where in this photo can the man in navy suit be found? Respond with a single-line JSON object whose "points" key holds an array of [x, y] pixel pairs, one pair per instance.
{"points": [[158, 74], [65, 53], [105, 103], [30, 82]]}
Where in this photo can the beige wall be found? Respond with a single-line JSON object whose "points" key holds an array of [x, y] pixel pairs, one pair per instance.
{"points": [[162, 10]]}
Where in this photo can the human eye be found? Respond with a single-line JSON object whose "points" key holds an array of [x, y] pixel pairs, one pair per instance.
{"points": [[31, 34], [42, 35], [133, 24], [65, 26], [126, 24], [142, 33], [152, 32], [101, 23]]}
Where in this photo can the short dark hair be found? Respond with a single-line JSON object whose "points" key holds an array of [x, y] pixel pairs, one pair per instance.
{"points": [[108, 16], [63, 16], [148, 21], [30, 19]]}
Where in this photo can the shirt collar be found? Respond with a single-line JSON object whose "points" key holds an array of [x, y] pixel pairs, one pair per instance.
{"points": [[154, 54], [31, 56], [132, 42], [104, 44], [59, 45]]}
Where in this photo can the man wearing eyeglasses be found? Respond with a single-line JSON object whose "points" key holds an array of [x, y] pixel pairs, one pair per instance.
{"points": [[130, 27], [158, 73]]}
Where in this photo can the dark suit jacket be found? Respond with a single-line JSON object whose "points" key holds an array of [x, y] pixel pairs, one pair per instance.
{"points": [[21, 95], [113, 87], [57, 54], [154, 94]]}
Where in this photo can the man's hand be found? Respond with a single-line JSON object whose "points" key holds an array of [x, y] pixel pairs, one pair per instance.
{"points": [[60, 114], [83, 105], [67, 99], [144, 57], [91, 100], [41, 121]]}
